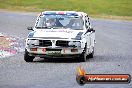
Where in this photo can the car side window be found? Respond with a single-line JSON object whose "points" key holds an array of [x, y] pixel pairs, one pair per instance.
{"points": [[87, 22]]}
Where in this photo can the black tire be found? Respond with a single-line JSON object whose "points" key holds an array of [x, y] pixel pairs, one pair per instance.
{"points": [[83, 56], [91, 55], [28, 58]]}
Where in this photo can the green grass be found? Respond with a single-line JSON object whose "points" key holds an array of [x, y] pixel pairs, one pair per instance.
{"points": [[92, 7]]}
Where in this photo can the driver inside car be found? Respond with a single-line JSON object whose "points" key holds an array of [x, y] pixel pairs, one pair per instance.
{"points": [[50, 22]]}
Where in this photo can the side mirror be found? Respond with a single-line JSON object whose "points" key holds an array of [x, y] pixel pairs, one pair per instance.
{"points": [[91, 30], [29, 28]]}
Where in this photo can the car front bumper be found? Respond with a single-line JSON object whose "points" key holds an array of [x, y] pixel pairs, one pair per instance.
{"points": [[55, 52]]}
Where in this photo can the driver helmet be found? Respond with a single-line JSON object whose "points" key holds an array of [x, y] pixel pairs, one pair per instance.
{"points": [[50, 22]]}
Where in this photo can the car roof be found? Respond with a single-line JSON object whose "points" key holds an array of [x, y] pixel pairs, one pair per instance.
{"points": [[64, 12]]}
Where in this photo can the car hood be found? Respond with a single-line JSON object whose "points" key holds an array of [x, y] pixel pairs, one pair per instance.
{"points": [[56, 33]]}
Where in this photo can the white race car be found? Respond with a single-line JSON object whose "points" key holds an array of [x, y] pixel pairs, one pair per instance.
{"points": [[58, 34]]}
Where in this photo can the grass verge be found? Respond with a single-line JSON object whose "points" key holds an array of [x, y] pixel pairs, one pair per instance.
{"points": [[95, 8]]}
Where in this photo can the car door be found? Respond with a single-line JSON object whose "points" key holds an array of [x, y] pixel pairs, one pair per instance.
{"points": [[90, 35], [87, 34]]}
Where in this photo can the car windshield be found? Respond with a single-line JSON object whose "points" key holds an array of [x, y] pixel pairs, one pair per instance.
{"points": [[60, 21]]}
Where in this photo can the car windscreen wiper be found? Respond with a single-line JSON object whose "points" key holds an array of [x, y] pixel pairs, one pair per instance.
{"points": [[78, 29], [58, 27], [43, 27]]}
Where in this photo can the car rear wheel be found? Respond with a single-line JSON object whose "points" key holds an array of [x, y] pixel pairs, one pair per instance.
{"points": [[91, 55], [28, 58]]}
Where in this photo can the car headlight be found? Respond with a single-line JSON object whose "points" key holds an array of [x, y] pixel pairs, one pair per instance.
{"points": [[33, 42], [75, 43]]}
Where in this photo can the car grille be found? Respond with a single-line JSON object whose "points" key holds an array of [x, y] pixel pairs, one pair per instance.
{"points": [[62, 43], [45, 43]]}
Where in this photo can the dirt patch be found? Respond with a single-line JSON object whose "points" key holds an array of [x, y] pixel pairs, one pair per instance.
{"points": [[4, 42], [10, 45]]}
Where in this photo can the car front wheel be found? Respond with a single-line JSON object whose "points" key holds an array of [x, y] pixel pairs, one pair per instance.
{"points": [[28, 58]]}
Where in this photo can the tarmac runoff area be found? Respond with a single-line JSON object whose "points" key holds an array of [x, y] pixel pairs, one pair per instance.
{"points": [[113, 55], [10, 45]]}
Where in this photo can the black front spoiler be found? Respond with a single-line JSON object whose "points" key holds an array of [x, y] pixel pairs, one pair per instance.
{"points": [[54, 56]]}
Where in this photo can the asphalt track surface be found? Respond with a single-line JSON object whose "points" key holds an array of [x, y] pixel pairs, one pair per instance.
{"points": [[113, 55]]}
